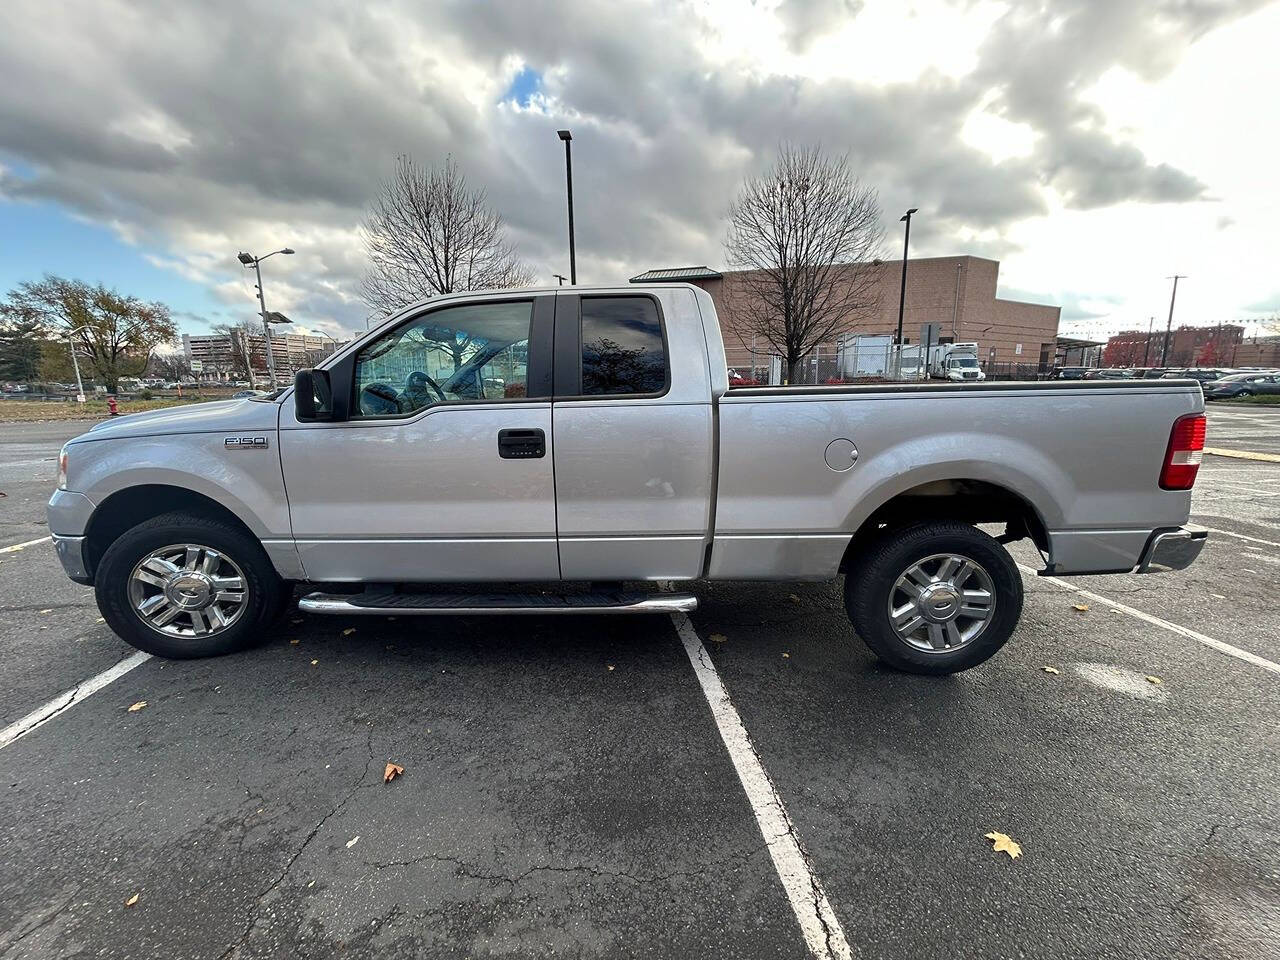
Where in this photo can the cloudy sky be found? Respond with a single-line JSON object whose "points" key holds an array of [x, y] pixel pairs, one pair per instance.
{"points": [[1093, 146]]}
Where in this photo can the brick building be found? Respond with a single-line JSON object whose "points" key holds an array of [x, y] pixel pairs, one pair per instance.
{"points": [[956, 293], [1258, 352], [1188, 347]]}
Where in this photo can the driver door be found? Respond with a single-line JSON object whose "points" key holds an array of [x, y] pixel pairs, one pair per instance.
{"points": [[443, 471]]}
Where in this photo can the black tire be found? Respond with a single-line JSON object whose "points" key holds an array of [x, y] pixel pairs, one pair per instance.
{"points": [[265, 593], [870, 583], [1245, 393]]}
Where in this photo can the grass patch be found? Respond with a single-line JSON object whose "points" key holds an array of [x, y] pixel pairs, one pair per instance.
{"points": [[1265, 399], [35, 411]]}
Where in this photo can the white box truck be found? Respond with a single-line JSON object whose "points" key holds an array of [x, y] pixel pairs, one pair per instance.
{"points": [[955, 361]]}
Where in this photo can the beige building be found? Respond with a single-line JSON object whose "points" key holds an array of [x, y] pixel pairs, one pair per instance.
{"points": [[956, 293], [221, 358]]}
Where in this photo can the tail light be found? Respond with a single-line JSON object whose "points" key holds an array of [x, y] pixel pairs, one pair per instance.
{"points": [[1186, 450]]}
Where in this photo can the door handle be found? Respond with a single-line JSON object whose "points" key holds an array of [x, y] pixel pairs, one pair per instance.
{"points": [[521, 444]]}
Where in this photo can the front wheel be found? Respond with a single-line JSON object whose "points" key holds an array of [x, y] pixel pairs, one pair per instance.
{"points": [[183, 586], [934, 598]]}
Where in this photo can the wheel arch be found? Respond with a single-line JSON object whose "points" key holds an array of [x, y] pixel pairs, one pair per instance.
{"points": [[966, 499], [126, 508]]}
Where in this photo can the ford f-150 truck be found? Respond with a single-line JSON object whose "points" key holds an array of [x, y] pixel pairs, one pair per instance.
{"points": [[551, 449]]}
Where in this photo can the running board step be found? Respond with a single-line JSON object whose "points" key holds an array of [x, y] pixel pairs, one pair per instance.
{"points": [[401, 604]]}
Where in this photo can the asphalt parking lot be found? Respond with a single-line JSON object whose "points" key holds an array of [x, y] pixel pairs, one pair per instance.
{"points": [[570, 789]]}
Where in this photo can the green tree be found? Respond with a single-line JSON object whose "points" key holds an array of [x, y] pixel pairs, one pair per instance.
{"points": [[22, 343], [114, 334]]}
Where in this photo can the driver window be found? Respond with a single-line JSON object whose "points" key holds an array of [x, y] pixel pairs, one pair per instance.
{"points": [[477, 352]]}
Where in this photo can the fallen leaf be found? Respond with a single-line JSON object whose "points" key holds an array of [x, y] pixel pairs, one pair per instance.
{"points": [[1156, 680], [1049, 669], [295, 641], [352, 842], [131, 901], [611, 668], [101, 620], [135, 707], [314, 662], [718, 638], [1217, 596], [393, 770], [1003, 843], [349, 631], [787, 655], [1082, 607], [793, 598], [47, 610]]}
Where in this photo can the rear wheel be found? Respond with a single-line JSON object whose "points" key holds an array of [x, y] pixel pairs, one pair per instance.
{"points": [[183, 586], [934, 597]]}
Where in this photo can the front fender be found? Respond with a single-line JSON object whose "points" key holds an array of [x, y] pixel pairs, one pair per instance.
{"points": [[246, 480]]}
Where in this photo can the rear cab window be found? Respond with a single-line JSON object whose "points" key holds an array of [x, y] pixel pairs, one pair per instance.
{"points": [[623, 347]]}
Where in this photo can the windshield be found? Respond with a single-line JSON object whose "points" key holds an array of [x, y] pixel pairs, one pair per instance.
{"points": [[963, 362]]}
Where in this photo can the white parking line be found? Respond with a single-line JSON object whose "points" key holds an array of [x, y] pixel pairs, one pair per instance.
{"points": [[14, 548], [66, 700], [1182, 631], [1241, 536], [822, 930]]}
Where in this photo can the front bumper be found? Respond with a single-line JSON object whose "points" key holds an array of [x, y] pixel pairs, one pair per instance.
{"points": [[1172, 549], [71, 554]]}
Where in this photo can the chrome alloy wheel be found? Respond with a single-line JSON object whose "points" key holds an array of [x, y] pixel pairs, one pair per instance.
{"points": [[187, 590], [941, 603]]}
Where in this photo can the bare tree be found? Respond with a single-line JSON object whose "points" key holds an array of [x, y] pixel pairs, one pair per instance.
{"points": [[429, 233], [807, 233]]}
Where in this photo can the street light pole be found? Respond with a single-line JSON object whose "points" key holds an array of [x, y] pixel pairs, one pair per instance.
{"points": [[1164, 353], [76, 364], [249, 260], [902, 295], [567, 137], [561, 277], [1151, 322]]}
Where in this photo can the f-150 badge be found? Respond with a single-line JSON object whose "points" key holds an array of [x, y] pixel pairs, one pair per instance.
{"points": [[245, 443]]}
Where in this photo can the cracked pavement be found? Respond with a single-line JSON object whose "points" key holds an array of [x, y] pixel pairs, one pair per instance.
{"points": [[553, 807]]}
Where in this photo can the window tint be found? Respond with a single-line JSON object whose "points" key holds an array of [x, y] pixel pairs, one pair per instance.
{"points": [[477, 352], [622, 349]]}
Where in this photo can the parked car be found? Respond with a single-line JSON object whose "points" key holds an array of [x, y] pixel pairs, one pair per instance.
{"points": [[1108, 373], [1242, 385], [1070, 373], [248, 394], [1203, 374], [380, 485]]}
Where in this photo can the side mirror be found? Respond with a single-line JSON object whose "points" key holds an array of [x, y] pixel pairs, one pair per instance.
{"points": [[313, 395]]}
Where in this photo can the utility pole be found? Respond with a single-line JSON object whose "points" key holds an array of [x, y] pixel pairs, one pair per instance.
{"points": [[1151, 323], [902, 295], [567, 137], [561, 277], [1164, 353]]}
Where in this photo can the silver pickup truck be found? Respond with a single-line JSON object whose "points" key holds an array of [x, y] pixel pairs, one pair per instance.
{"points": [[538, 451]]}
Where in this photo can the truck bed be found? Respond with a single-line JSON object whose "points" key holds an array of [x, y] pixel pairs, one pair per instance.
{"points": [[1084, 455]]}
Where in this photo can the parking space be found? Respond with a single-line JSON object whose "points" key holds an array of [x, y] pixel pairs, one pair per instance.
{"points": [[568, 790]]}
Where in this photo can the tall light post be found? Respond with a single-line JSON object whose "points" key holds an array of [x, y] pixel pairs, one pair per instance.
{"points": [[249, 260], [902, 295], [75, 363], [567, 137], [1164, 353], [561, 277], [1151, 322]]}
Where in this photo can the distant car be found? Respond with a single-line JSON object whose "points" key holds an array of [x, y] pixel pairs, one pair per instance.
{"points": [[1108, 373], [1203, 374], [248, 394], [1241, 385], [1069, 373]]}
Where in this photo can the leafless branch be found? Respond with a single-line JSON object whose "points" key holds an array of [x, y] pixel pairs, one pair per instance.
{"points": [[806, 232], [428, 233]]}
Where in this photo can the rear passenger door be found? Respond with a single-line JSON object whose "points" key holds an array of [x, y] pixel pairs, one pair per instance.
{"points": [[633, 442]]}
